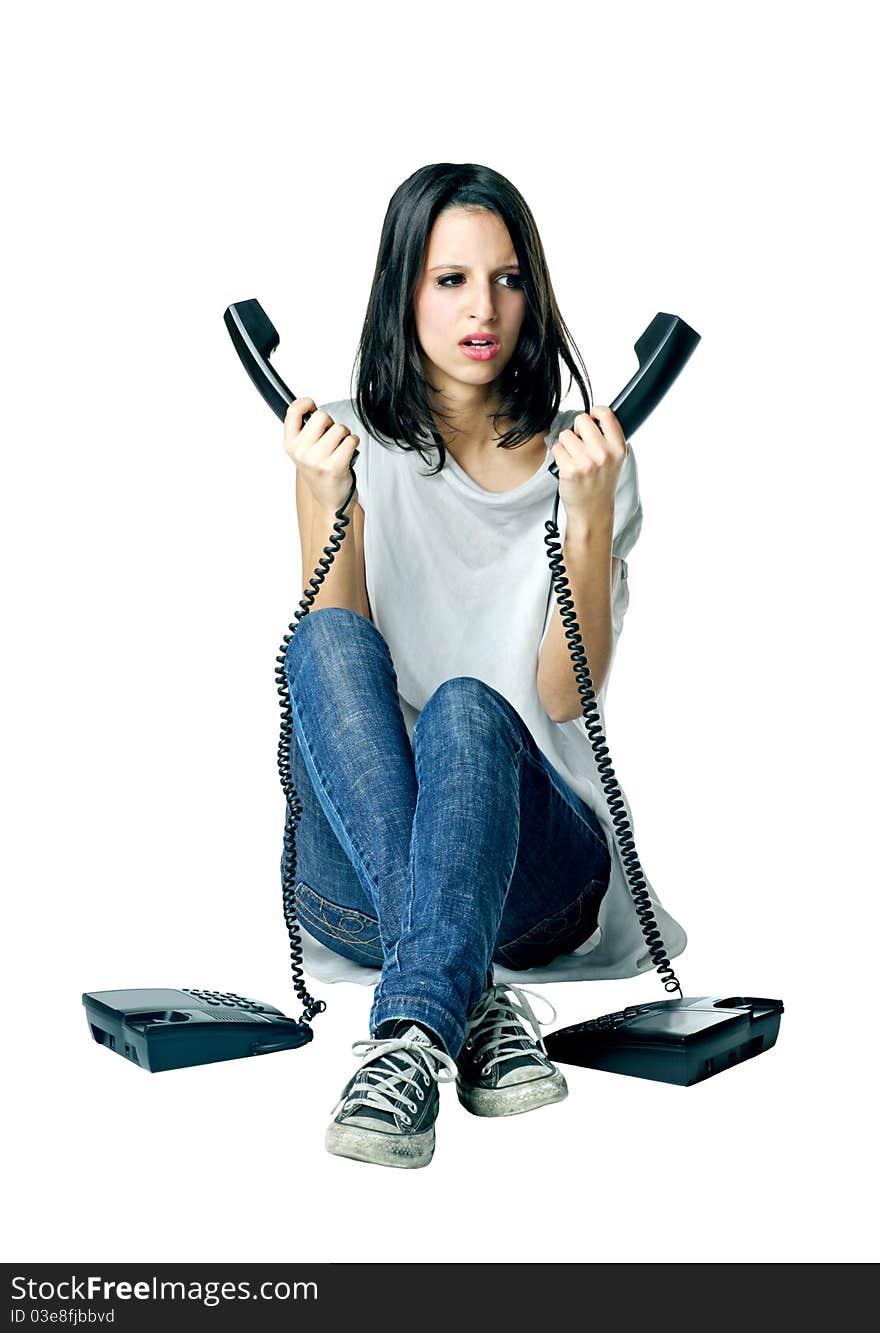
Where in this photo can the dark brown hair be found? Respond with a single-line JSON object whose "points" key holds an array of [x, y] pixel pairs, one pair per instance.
{"points": [[391, 398]]}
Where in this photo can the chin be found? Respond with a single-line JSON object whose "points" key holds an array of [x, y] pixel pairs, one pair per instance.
{"points": [[469, 374]]}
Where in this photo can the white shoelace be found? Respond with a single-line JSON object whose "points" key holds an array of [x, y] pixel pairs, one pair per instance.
{"points": [[497, 1017], [375, 1086]]}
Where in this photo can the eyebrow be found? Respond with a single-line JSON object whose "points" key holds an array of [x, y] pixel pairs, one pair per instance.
{"points": [[465, 268]]}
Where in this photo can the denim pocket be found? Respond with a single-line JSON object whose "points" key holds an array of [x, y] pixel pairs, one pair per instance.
{"points": [[352, 934], [559, 933]]}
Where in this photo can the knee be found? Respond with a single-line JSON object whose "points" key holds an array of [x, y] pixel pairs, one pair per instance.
{"points": [[459, 692], [463, 697], [321, 632]]}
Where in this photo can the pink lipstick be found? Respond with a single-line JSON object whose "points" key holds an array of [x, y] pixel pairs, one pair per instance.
{"points": [[480, 347]]}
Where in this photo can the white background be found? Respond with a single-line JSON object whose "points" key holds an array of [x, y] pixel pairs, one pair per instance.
{"points": [[166, 160]]}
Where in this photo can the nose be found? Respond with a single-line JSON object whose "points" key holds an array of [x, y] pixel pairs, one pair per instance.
{"points": [[482, 302]]}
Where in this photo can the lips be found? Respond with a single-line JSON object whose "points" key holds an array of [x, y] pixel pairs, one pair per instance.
{"points": [[476, 353], [488, 338]]}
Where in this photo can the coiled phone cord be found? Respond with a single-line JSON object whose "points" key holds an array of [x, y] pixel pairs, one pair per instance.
{"points": [[634, 873], [294, 805]]}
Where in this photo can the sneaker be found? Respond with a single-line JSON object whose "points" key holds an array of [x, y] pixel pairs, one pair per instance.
{"points": [[501, 1069], [387, 1110]]}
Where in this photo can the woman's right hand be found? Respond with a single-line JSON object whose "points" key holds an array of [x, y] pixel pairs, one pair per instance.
{"points": [[322, 451]]}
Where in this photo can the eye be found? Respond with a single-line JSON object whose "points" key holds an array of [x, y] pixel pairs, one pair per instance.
{"points": [[446, 279]]}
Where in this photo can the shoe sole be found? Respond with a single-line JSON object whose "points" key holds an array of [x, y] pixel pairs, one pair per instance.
{"points": [[370, 1145], [513, 1100]]}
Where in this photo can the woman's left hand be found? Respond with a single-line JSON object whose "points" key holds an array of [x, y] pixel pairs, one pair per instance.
{"points": [[589, 462]]}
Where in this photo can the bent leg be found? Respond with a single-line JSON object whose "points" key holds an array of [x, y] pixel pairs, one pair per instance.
{"points": [[475, 760], [350, 740]]}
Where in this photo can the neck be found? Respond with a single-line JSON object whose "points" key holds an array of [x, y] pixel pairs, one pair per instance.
{"points": [[466, 424]]}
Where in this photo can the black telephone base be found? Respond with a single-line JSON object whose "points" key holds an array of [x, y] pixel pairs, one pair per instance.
{"points": [[671, 1041], [173, 1029]]}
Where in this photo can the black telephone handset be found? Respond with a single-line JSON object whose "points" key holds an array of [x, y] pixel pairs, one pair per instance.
{"points": [[255, 338], [662, 351], [676, 1041]]}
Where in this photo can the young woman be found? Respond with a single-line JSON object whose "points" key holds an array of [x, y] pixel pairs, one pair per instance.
{"points": [[452, 830]]}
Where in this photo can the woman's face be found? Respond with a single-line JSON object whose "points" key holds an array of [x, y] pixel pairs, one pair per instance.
{"points": [[469, 286]]}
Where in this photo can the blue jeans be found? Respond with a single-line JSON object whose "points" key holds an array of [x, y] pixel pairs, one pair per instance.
{"points": [[429, 859]]}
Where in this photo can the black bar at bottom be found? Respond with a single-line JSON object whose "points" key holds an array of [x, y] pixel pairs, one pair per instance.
{"points": [[197, 1296]]}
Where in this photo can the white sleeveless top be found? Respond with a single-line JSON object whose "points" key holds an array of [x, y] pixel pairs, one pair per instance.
{"points": [[459, 585]]}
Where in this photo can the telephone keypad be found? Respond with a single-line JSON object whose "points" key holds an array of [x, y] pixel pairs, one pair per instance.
{"points": [[227, 998]]}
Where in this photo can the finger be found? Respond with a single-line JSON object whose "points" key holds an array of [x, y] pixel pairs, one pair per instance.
{"points": [[314, 437], [610, 426], [293, 420], [585, 427], [565, 466], [296, 411], [347, 444], [580, 449], [327, 436]]}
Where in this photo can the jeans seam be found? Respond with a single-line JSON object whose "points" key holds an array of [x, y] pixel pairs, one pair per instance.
{"points": [[305, 912], [320, 928], [305, 891], [411, 860], [344, 912]]}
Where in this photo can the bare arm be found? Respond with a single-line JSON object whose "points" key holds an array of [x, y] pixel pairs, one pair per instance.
{"points": [[590, 569], [345, 582]]}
